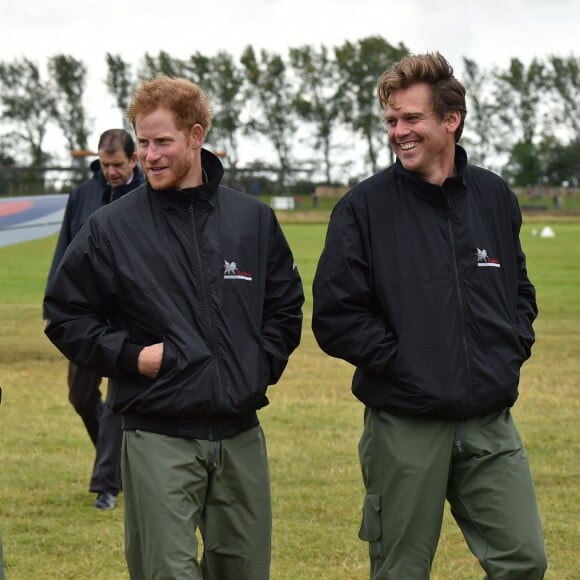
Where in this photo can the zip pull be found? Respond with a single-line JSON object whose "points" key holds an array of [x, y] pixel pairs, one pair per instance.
{"points": [[458, 438], [213, 459]]}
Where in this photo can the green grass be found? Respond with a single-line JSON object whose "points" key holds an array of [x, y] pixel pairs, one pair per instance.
{"points": [[49, 529]]}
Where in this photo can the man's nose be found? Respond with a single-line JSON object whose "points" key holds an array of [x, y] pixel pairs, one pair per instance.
{"points": [[401, 129], [152, 153]]}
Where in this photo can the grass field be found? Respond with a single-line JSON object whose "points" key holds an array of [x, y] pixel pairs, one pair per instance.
{"points": [[50, 530]]}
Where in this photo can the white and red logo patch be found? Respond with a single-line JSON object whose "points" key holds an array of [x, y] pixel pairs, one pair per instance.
{"points": [[232, 272], [484, 260]]}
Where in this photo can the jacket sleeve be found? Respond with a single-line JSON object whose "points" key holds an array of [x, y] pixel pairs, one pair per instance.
{"points": [[526, 307], [64, 238], [78, 302], [284, 297], [346, 318]]}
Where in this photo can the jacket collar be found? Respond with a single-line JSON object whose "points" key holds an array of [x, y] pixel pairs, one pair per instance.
{"points": [[437, 194], [204, 194]]}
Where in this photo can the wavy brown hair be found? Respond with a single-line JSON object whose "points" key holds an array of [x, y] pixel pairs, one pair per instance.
{"points": [[447, 93]]}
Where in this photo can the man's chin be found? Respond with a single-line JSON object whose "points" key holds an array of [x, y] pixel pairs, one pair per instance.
{"points": [[158, 182], [409, 162]]}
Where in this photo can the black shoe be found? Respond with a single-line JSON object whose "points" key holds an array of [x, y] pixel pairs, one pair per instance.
{"points": [[105, 501]]}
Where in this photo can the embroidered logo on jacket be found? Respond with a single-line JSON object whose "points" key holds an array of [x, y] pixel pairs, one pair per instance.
{"points": [[232, 272], [484, 260]]}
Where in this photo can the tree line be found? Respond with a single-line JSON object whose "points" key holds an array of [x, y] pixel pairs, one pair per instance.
{"points": [[523, 120]]}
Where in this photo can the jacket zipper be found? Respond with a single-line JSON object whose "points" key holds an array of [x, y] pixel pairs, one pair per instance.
{"points": [[459, 292], [207, 302]]}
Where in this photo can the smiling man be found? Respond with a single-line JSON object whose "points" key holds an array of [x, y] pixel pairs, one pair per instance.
{"points": [[146, 295], [422, 286]]}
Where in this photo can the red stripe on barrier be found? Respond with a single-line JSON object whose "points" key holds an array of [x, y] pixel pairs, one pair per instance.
{"points": [[14, 207]]}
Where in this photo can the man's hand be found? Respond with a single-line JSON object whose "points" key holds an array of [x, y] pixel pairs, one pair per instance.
{"points": [[149, 360]]}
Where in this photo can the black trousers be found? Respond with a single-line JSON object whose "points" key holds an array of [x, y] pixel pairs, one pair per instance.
{"points": [[102, 425]]}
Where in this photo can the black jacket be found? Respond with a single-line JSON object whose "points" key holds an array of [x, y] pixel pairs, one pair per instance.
{"points": [[424, 289], [85, 200], [208, 272]]}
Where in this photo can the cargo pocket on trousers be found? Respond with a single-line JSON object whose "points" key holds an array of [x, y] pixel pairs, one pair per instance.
{"points": [[370, 529]]}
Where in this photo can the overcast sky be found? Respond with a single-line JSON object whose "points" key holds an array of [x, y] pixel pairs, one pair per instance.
{"points": [[488, 31]]}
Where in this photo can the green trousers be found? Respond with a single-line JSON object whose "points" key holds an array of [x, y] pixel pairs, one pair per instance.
{"points": [[410, 466], [173, 487]]}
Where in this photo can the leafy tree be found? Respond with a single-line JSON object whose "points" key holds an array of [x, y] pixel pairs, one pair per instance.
{"points": [[484, 135], [547, 163], [224, 81], [564, 78], [316, 100], [69, 76], [525, 166], [120, 83], [163, 64], [7, 158], [272, 92], [360, 65], [199, 68], [562, 164], [519, 91], [28, 104]]}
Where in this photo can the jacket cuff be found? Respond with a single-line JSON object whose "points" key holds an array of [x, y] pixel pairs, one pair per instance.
{"points": [[127, 360]]}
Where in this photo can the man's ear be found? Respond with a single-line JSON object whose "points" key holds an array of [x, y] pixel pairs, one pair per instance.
{"points": [[197, 135], [452, 120]]}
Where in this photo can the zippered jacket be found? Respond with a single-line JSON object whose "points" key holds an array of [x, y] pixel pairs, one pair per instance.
{"points": [[208, 272], [424, 289]]}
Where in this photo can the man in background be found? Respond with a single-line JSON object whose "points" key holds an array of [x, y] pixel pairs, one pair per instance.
{"points": [[115, 173], [422, 286]]}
